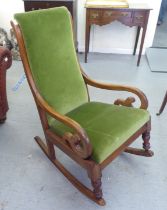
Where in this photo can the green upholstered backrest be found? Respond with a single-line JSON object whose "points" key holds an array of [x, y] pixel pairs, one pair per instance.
{"points": [[48, 38]]}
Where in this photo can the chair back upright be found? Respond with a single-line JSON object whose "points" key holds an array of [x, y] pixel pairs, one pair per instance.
{"points": [[48, 39]]}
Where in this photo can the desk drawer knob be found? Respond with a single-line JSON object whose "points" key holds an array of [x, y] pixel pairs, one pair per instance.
{"points": [[108, 13], [139, 17], [124, 14], [95, 15]]}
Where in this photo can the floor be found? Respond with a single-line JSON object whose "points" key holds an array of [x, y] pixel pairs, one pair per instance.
{"points": [[157, 59], [28, 181]]}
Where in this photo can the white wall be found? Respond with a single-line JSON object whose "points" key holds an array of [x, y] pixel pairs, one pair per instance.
{"points": [[7, 9], [114, 37]]}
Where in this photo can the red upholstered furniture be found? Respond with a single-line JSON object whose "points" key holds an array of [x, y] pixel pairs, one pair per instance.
{"points": [[5, 63]]}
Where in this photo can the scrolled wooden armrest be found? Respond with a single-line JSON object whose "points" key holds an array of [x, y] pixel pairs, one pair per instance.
{"points": [[5, 58], [136, 91], [79, 141]]}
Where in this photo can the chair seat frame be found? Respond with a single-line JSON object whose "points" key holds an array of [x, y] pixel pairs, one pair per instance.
{"points": [[77, 145]]}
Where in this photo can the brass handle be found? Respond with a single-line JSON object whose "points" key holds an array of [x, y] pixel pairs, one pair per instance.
{"points": [[108, 13], [124, 14], [95, 15], [139, 17]]}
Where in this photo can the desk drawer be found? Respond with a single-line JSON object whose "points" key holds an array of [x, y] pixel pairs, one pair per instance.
{"points": [[116, 14], [139, 17], [95, 14], [105, 15]]}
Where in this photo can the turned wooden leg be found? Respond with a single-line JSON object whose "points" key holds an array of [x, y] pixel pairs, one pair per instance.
{"points": [[82, 188], [146, 140], [146, 145], [95, 175], [97, 188]]}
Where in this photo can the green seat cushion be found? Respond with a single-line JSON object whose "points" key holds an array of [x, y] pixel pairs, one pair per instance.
{"points": [[51, 54], [108, 126]]}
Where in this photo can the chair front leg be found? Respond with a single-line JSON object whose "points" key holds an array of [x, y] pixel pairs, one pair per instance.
{"points": [[146, 145], [95, 175], [146, 140]]}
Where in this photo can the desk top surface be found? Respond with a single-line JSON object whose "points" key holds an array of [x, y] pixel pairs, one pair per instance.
{"points": [[116, 4]]}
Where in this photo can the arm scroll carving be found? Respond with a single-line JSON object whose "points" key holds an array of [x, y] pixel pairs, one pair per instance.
{"points": [[77, 144], [127, 102], [136, 91]]}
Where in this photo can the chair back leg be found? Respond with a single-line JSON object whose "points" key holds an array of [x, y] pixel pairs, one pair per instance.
{"points": [[51, 150]]}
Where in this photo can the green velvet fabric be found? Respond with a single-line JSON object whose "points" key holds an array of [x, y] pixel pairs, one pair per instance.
{"points": [[108, 126], [49, 43], [51, 53]]}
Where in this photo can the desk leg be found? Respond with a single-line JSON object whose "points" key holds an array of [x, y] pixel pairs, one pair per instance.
{"points": [[137, 39], [141, 45], [143, 37], [87, 40], [87, 35]]}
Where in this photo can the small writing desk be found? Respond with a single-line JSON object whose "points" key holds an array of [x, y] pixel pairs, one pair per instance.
{"points": [[131, 16]]}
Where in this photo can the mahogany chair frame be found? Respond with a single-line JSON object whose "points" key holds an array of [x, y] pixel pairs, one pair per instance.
{"points": [[70, 143], [5, 63]]}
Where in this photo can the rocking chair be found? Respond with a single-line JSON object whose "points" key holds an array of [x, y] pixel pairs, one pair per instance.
{"points": [[91, 133]]}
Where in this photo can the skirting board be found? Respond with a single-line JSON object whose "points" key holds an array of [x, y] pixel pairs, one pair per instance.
{"points": [[111, 50]]}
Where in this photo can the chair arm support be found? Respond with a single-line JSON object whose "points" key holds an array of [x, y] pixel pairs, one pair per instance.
{"points": [[136, 91], [79, 141]]}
